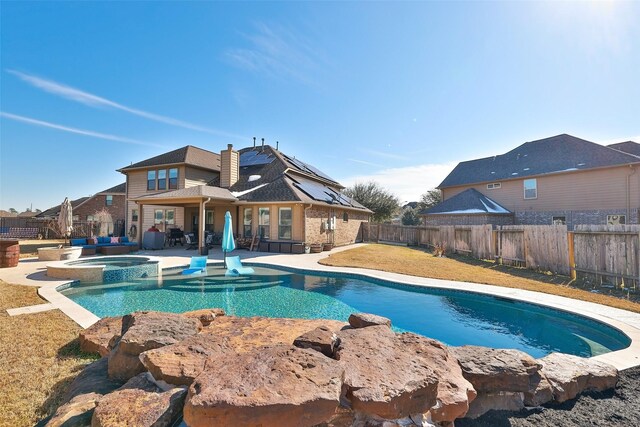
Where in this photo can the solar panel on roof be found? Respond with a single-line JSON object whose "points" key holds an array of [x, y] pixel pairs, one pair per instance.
{"points": [[304, 167], [315, 191], [254, 158]]}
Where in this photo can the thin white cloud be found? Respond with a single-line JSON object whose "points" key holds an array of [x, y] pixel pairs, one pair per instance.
{"points": [[277, 52], [408, 183], [384, 154], [366, 163], [92, 100], [90, 133]]}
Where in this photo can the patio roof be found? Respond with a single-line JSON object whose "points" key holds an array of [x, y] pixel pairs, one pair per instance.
{"points": [[188, 195]]}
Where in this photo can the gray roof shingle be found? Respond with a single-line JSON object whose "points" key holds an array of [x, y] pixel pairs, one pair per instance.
{"points": [[469, 201], [628, 147], [550, 155], [119, 189], [189, 155], [54, 211]]}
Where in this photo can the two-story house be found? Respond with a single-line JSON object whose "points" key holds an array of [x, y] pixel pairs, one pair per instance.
{"points": [[267, 192], [556, 180], [112, 199]]}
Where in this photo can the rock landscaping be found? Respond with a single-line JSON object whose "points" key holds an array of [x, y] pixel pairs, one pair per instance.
{"points": [[207, 368]]}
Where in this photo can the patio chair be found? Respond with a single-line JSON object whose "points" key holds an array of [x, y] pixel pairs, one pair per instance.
{"points": [[191, 241], [198, 265], [235, 268], [208, 240]]}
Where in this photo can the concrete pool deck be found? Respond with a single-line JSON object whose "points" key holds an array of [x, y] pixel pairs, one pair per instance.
{"points": [[31, 272]]}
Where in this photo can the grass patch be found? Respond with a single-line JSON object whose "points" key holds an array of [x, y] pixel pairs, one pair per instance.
{"points": [[29, 248], [419, 262], [39, 356]]}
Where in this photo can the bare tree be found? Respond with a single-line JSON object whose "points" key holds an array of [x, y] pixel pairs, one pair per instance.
{"points": [[370, 194]]}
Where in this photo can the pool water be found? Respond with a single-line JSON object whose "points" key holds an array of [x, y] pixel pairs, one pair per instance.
{"points": [[453, 317]]}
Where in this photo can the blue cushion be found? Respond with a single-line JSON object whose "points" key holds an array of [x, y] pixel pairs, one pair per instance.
{"points": [[78, 242], [89, 246], [130, 244], [104, 239], [124, 239]]}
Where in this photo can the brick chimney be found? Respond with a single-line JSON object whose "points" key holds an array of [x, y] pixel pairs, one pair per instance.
{"points": [[229, 167]]}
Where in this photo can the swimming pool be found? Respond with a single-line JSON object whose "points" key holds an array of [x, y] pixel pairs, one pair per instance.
{"points": [[454, 317]]}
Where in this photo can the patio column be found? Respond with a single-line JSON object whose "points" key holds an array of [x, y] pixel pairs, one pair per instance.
{"points": [[140, 222], [201, 227]]}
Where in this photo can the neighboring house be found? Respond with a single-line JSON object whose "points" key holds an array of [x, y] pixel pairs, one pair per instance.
{"points": [[556, 180], [112, 199], [7, 214], [268, 194]]}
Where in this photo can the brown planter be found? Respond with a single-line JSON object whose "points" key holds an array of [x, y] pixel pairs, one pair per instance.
{"points": [[327, 246], [315, 249], [9, 253]]}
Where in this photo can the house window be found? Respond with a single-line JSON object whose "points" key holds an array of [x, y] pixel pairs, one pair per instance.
{"points": [[494, 185], [616, 219], [208, 220], [109, 200], [173, 179], [285, 220], [151, 180], [90, 218], [559, 220], [162, 179], [531, 188], [158, 216], [134, 215], [345, 217], [247, 217], [170, 216], [263, 223]]}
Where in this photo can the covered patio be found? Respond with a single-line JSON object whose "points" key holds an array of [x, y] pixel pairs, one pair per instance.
{"points": [[195, 199]]}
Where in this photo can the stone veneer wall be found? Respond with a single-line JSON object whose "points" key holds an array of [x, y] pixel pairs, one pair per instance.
{"points": [[574, 218], [346, 232], [475, 219]]}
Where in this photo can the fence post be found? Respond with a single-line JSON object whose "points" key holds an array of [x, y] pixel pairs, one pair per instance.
{"points": [[496, 248], [572, 255]]}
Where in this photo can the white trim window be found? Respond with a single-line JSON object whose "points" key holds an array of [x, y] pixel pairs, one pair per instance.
{"points": [[494, 185], [531, 188], [285, 220], [263, 223]]}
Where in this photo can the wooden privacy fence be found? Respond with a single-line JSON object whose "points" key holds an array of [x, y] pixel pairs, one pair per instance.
{"points": [[610, 253]]}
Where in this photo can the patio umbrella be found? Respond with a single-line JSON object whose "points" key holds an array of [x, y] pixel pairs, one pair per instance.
{"points": [[228, 244], [65, 219]]}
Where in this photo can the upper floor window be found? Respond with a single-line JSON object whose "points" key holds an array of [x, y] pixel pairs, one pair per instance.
{"points": [[162, 179], [151, 180], [345, 216], [173, 179], [284, 223], [494, 185], [109, 200], [531, 188], [134, 215]]}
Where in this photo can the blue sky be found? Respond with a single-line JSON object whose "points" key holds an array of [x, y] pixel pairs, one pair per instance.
{"points": [[395, 92]]}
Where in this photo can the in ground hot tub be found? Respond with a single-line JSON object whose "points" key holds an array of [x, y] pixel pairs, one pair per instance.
{"points": [[107, 269]]}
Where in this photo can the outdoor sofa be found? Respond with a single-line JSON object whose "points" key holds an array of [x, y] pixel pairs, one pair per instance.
{"points": [[105, 245]]}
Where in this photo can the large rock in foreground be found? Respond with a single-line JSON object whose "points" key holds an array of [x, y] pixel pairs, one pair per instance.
{"points": [[142, 331], [274, 386], [75, 413], [102, 336], [244, 334], [382, 377], [454, 391], [496, 370], [571, 375], [181, 363], [321, 339], [362, 320]]}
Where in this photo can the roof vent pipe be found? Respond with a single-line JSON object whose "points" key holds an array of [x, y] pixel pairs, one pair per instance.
{"points": [[254, 142], [277, 145], [262, 144]]}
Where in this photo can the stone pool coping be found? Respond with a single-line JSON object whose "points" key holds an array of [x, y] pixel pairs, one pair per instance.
{"points": [[625, 321]]}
